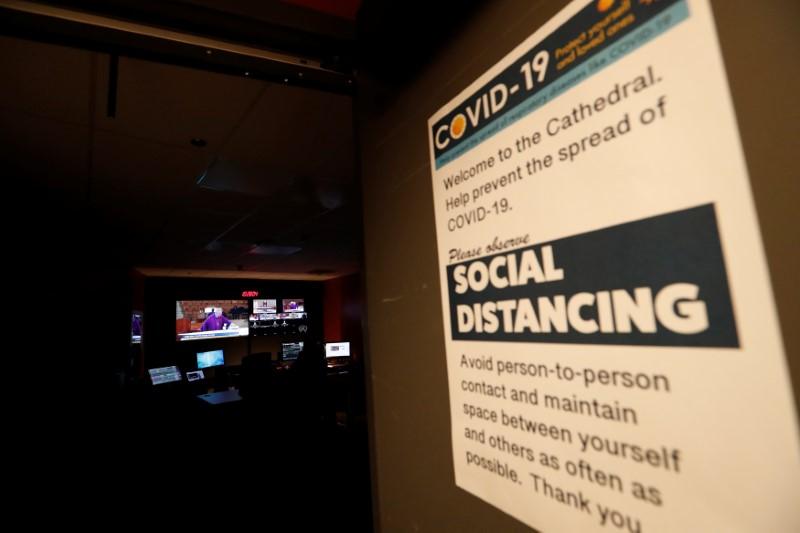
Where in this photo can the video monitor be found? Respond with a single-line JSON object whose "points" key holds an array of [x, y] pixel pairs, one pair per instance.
{"points": [[264, 307], [166, 374], [291, 350], [136, 327], [211, 358], [284, 318], [293, 305], [195, 375], [337, 349], [211, 319]]}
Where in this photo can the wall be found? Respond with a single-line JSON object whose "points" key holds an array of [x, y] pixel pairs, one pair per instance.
{"points": [[413, 481], [765, 98], [343, 301]]}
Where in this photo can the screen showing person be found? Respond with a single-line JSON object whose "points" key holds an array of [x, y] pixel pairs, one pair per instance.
{"points": [[291, 350], [293, 305], [203, 319], [337, 349], [166, 374], [136, 327], [210, 358]]}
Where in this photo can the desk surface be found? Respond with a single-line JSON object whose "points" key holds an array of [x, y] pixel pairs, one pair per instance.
{"points": [[216, 398]]}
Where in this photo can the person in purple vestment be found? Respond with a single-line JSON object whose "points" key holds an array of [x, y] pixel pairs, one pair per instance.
{"points": [[136, 325], [216, 320]]}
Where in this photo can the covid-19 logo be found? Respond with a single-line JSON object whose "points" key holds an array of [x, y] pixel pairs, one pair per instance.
{"points": [[454, 130], [604, 5], [485, 105]]}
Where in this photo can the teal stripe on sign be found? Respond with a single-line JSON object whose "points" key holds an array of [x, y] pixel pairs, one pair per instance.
{"points": [[655, 27]]}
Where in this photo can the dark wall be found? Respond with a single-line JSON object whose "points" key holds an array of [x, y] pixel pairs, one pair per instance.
{"points": [[344, 312], [78, 298], [399, 88], [765, 98], [413, 479], [160, 345]]}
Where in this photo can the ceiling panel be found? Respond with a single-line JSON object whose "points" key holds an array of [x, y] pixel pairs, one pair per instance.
{"points": [[287, 151], [44, 152], [148, 175], [172, 105], [197, 227], [46, 80], [312, 259], [294, 133], [225, 203]]}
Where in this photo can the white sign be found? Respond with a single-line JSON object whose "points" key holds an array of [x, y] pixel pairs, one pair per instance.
{"points": [[613, 350]]}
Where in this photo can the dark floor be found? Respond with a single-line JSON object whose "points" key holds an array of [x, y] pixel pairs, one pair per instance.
{"points": [[149, 455]]}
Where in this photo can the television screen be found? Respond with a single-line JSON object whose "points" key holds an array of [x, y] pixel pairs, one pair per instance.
{"points": [[291, 350], [293, 305], [195, 375], [136, 327], [265, 307], [211, 319], [288, 318], [337, 349], [166, 374], [212, 358]]}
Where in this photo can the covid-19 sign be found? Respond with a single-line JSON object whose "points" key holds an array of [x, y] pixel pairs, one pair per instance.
{"points": [[613, 351]]}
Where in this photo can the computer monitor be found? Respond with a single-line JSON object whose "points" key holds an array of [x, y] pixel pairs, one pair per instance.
{"points": [[337, 349], [264, 307], [291, 350], [136, 327], [166, 374], [211, 358], [293, 305], [195, 375]]}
